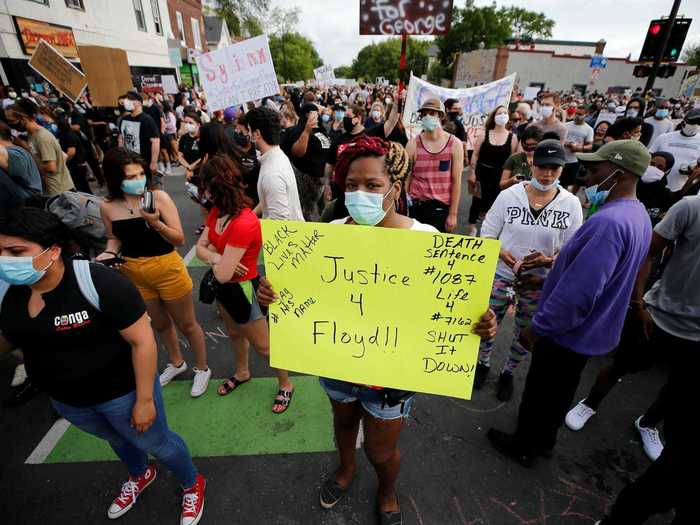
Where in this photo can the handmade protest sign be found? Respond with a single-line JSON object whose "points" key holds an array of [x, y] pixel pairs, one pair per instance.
{"points": [[169, 84], [378, 306], [477, 102], [238, 73], [405, 17], [606, 116], [108, 73], [324, 74], [63, 75]]}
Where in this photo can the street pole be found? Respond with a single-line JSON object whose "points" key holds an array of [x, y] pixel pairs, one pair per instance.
{"points": [[662, 49]]}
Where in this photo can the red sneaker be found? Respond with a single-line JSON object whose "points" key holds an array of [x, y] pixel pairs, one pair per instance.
{"points": [[193, 502], [131, 490]]}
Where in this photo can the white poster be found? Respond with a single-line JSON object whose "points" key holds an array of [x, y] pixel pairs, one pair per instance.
{"points": [[237, 74], [531, 92], [169, 84], [606, 116], [477, 102], [325, 74]]}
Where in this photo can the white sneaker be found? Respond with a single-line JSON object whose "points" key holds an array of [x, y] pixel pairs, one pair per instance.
{"points": [[200, 381], [20, 376], [171, 372], [651, 440], [578, 416]]}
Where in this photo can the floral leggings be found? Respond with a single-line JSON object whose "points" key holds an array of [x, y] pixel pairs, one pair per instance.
{"points": [[506, 294]]}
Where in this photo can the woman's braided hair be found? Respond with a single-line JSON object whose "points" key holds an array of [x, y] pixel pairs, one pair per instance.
{"points": [[395, 158]]}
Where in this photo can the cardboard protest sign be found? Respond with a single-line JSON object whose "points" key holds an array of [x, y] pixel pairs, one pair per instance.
{"points": [[477, 102], [169, 84], [324, 74], [531, 92], [108, 73], [378, 306], [238, 73], [606, 116], [405, 17], [63, 75]]}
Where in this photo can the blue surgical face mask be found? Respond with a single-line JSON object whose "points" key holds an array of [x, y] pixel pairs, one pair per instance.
{"points": [[134, 186], [430, 122], [339, 115], [325, 118], [543, 187], [661, 113], [366, 208], [598, 198], [20, 270]]}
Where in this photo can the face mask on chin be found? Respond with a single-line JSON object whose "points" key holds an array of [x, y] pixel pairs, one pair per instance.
{"points": [[597, 198], [366, 208]]}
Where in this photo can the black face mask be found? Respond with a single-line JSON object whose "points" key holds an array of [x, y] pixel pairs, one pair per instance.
{"points": [[241, 139], [18, 126], [453, 115], [348, 124]]}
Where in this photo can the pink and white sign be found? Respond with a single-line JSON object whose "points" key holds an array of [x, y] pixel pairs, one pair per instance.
{"points": [[237, 74]]}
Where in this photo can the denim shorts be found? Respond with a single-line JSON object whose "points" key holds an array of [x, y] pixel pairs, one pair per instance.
{"points": [[371, 399]]}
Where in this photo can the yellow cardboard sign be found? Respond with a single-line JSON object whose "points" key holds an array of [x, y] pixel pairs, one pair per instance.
{"points": [[378, 306]]}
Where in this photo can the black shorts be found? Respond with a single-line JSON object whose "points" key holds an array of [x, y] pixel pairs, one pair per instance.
{"points": [[233, 299]]}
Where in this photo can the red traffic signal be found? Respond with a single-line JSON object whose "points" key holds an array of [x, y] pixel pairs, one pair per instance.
{"points": [[655, 29]]}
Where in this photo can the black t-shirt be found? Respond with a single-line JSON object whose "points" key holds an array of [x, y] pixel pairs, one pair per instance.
{"points": [[71, 140], [397, 134], [313, 163], [78, 118], [71, 350], [250, 169], [99, 115], [138, 132], [189, 147], [155, 113]]}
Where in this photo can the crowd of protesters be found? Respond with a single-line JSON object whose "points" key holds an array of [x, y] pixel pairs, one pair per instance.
{"points": [[593, 198]]}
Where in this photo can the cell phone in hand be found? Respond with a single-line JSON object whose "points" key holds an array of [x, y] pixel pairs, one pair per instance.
{"points": [[114, 261], [148, 202]]}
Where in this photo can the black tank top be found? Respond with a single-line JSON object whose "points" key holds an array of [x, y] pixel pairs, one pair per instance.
{"points": [[494, 157], [138, 239]]}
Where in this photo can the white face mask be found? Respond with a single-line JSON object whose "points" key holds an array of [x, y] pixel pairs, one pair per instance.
{"points": [[546, 111], [632, 113], [501, 120], [652, 174], [129, 105], [690, 130]]}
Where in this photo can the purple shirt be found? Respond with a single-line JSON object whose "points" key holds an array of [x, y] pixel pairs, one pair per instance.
{"points": [[586, 294]]}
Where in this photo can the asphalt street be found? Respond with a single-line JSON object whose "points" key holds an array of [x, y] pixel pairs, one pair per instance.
{"points": [[450, 475]]}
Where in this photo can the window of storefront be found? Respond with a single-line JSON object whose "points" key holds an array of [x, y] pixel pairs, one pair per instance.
{"points": [[156, 17], [196, 33], [140, 15]]}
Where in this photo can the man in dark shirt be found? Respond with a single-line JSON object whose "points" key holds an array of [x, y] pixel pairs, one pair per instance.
{"points": [[454, 114], [140, 134]]}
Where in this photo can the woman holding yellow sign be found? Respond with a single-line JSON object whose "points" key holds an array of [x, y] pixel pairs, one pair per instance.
{"points": [[371, 171]]}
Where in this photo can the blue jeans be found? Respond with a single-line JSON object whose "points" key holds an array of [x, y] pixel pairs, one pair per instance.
{"points": [[111, 421]]}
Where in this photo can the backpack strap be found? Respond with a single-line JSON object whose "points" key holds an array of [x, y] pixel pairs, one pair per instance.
{"points": [[85, 283]]}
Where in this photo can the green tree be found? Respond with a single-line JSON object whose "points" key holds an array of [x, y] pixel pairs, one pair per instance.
{"points": [[343, 71], [382, 59], [488, 27], [692, 54], [243, 16], [294, 56]]}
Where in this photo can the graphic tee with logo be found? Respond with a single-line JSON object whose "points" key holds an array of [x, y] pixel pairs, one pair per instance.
{"points": [[72, 351], [137, 133]]}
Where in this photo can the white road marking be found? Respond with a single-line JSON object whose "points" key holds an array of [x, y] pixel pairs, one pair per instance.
{"points": [[360, 437], [47, 444], [190, 255]]}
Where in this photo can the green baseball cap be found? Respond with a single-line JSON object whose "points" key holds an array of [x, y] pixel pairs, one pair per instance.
{"points": [[630, 155]]}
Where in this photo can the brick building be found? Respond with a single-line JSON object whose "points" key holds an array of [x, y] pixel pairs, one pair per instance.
{"points": [[188, 28]]}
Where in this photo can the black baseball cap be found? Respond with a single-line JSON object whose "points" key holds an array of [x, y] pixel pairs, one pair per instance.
{"points": [[549, 152], [693, 116], [133, 95]]}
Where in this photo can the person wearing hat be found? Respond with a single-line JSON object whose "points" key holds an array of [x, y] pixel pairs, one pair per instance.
{"points": [[434, 185], [533, 220], [140, 134], [684, 145], [585, 298]]}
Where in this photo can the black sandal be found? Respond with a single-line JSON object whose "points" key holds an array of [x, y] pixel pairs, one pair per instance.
{"points": [[284, 402], [231, 384], [331, 493]]}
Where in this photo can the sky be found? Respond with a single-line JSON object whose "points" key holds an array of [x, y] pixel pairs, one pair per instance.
{"points": [[333, 25]]}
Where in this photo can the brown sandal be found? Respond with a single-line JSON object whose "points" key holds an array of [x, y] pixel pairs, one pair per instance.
{"points": [[231, 384], [283, 399]]}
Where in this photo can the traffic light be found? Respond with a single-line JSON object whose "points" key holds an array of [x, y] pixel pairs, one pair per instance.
{"points": [[666, 71], [655, 37], [641, 71]]}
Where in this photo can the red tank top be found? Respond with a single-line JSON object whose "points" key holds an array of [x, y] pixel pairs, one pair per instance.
{"points": [[432, 174]]}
